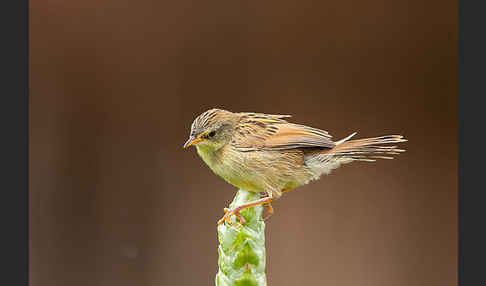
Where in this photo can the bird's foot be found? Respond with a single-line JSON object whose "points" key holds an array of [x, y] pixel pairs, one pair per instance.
{"points": [[269, 211], [268, 207], [230, 212]]}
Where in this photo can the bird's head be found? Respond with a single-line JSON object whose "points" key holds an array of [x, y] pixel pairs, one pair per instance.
{"points": [[212, 129]]}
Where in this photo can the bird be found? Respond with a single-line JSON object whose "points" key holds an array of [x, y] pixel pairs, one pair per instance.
{"points": [[267, 154]]}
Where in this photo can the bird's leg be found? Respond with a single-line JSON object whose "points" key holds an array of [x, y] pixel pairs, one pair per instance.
{"points": [[268, 206], [236, 210], [270, 210], [286, 190]]}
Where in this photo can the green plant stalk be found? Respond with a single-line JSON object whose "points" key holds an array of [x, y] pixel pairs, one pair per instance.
{"points": [[242, 247]]}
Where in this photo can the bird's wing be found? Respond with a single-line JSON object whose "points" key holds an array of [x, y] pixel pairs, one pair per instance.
{"points": [[256, 131]]}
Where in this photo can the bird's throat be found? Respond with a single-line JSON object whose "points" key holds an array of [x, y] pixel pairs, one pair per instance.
{"points": [[207, 153]]}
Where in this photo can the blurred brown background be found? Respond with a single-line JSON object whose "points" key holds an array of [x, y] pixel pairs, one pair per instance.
{"points": [[115, 200]]}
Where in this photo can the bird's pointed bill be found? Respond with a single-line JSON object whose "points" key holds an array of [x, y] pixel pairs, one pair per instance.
{"points": [[192, 141]]}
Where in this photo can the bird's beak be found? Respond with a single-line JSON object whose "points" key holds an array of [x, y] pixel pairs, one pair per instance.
{"points": [[192, 141]]}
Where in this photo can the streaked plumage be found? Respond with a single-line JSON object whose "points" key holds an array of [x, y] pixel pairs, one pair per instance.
{"points": [[265, 153]]}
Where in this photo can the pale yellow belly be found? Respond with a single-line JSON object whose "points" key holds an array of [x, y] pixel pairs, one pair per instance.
{"points": [[254, 172]]}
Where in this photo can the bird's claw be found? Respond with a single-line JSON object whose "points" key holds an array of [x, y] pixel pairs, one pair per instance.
{"points": [[268, 205], [269, 211], [230, 212]]}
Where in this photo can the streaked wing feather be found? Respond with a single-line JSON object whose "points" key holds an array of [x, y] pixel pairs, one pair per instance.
{"points": [[257, 131]]}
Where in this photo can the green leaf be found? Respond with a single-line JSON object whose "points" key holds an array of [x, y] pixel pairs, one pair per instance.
{"points": [[242, 247]]}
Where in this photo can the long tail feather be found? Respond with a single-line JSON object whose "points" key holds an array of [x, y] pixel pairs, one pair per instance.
{"points": [[367, 149]]}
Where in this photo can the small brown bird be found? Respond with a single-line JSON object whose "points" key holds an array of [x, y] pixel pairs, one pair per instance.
{"points": [[264, 153]]}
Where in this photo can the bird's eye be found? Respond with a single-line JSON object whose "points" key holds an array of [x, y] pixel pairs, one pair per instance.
{"points": [[211, 134]]}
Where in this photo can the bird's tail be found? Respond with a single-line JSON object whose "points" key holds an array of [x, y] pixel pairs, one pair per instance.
{"points": [[368, 149]]}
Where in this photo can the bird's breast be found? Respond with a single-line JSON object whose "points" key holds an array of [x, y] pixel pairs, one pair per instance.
{"points": [[231, 167]]}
